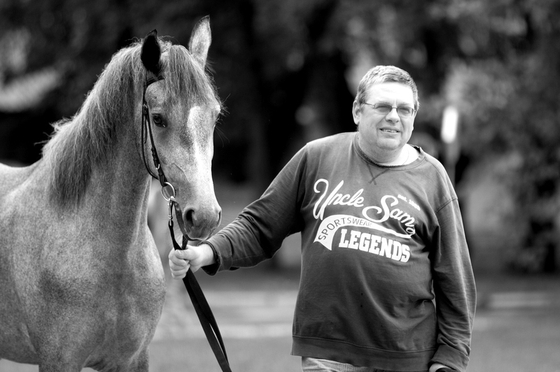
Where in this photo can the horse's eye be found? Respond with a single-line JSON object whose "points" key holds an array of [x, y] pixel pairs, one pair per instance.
{"points": [[158, 120]]}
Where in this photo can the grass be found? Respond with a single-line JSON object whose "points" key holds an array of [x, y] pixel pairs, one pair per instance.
{"points": [[520, 338]]}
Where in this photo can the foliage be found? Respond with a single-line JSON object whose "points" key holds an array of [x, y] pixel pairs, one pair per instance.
{"points": [[287, 72], [508, 94]]}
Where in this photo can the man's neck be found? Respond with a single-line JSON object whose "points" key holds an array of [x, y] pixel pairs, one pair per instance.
{"points": [[399, 158], [405, 155]]}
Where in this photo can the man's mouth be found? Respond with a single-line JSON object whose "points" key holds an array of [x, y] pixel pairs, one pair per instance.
{"points": [[389, 130]]}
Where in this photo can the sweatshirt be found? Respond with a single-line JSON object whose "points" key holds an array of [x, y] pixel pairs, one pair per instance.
{"points": [[386, 278]]}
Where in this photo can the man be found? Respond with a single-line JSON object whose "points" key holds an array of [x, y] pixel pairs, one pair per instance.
{"points": [[386, 280]]}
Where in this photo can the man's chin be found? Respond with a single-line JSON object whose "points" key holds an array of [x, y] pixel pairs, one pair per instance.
{"points": [[390, 144]]}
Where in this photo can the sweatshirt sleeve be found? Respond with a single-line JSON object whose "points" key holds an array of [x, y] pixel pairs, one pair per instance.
{"points": [[454, 288], [259, 230]]}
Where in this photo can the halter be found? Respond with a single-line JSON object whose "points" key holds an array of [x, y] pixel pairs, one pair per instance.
{"points": [[203, 311], [167, 189]]}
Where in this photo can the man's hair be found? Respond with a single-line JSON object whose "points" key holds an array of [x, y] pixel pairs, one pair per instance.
{"points": [[386, 74]]}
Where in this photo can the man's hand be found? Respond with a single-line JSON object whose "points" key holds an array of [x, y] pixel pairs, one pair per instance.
{"points": [[194, 257]]}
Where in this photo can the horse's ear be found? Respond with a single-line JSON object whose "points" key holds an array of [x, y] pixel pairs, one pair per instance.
{"points": [[151, 53], [201, 40]]}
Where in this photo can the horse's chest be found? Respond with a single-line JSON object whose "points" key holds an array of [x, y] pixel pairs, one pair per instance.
{"points": [[139, 291], [107, 292], [138, 307], [126, 291]]}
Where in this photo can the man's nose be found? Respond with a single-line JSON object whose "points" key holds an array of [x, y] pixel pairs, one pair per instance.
{"points": [[393, 115]]}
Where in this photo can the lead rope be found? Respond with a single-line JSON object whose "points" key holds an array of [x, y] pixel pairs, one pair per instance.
{"points": [[203, 311]]}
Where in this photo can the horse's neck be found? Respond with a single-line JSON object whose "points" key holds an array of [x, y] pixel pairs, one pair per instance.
{"points": [[119, 191]]}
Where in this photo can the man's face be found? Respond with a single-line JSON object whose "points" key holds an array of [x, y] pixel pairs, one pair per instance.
{"points": [[382, 136]]}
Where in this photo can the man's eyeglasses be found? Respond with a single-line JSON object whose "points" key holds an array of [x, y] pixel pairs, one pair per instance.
{"points": [[385, 108]]}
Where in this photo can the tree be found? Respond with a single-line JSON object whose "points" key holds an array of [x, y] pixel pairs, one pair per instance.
{"points": [[287, 73], [75, 39], [508, 92]]}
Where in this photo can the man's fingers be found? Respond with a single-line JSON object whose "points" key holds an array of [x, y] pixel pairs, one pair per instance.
{"points": [[179, 271], [180, 262]]}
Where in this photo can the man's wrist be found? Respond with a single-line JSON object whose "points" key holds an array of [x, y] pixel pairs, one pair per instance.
{"points": [[210, 254], [438, 367]]}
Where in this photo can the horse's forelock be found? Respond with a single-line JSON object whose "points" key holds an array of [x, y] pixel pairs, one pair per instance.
{"points": [[185, 77]]}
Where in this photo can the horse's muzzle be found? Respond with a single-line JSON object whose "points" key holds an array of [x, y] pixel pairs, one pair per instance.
{"points": [[199, 223]]}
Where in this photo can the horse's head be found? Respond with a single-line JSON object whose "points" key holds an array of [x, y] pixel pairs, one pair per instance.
{"points": [[181, 109]]}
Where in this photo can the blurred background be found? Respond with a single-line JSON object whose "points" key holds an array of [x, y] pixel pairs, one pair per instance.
{"points": [[287, 71]]}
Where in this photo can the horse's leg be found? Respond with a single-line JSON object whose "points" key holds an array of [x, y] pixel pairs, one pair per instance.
{"points": [[64, 343], [141, 363], [59, 366], [64, 356]]}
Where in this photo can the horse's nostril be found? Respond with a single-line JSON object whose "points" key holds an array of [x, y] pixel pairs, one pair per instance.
{"points": [[189, 217]]}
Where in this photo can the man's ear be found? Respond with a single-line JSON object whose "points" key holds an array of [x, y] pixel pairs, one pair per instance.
{"points": [[356, 112]]}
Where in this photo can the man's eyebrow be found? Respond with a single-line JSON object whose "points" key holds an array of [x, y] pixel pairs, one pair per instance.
{"points": [[390, 104]]}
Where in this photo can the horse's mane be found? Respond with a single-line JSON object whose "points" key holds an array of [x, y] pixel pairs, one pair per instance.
{"points": [[87, 140]]}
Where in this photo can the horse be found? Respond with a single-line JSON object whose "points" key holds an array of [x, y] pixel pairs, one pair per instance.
{"points": [[81, 281]]}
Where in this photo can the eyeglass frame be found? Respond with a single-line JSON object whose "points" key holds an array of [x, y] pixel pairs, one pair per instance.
{"points": [[397, 108]]}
